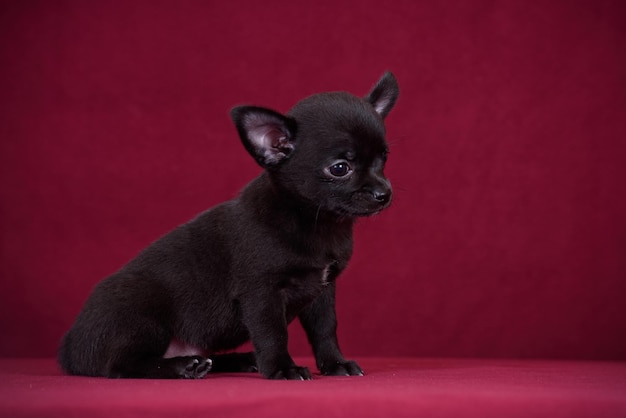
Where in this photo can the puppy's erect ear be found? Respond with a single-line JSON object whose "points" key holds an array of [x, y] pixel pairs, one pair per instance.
{"points": [[267, 135], [384, 94]]}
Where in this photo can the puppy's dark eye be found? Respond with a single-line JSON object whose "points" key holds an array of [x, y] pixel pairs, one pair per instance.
{"points": [[340, 169]]}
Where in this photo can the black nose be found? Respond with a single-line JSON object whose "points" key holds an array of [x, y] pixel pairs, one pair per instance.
{"points": [[381, 196]]}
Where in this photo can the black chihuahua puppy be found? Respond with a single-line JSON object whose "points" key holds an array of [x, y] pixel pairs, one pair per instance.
{"points": [[245, 269]]}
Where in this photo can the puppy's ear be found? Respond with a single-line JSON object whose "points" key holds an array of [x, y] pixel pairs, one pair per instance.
{"points": [[267, 135], [384, 94]]}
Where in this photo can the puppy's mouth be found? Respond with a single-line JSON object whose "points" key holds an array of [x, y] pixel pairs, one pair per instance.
{"points": [[364, 204]]}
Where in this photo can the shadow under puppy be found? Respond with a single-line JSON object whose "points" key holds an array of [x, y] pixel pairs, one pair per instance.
{"points": [[245, 269]]}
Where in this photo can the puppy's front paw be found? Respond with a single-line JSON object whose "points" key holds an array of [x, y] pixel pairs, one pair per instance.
{"points": [[341, 368], [291, 373]]}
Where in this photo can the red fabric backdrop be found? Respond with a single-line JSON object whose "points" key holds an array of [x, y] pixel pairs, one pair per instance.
{"points": [[507, 236]]}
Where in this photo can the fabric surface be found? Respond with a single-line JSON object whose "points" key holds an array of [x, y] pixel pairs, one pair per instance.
{"points": [[506, 236], [392, 388]]}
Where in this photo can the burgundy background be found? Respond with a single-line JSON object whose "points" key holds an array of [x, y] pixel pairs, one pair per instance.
{"points": [[507, 236]]}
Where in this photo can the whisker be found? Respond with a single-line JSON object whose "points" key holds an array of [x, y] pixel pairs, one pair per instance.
{"points": [[317, 214]]}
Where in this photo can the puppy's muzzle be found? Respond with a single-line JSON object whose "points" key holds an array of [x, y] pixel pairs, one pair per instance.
{"points": [[374, 198], [382, 195]]}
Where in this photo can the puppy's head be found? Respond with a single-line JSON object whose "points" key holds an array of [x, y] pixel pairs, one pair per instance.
{"points": [[329, 151]]}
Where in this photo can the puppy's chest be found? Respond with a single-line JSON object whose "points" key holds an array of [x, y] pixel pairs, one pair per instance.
{"points": [[314, 261], [308, 278], [300, 286], [326, 274]]}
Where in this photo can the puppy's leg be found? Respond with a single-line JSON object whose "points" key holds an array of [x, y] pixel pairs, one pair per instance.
{"points": [[127, 337], [234, 363], [264, 316], [132, 349], [320, 323], [187, 367], [139, 349]]}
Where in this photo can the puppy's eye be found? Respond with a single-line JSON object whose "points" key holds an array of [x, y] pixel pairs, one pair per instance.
{"points": [[340, 169]]}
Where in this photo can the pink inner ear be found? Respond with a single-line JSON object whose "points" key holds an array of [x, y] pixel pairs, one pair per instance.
{"points": [[262, 132], [280, 140], [383, 102], [265, 137]]}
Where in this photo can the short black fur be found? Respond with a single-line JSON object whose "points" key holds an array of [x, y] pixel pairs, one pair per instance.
{"points": [[245, 269]]}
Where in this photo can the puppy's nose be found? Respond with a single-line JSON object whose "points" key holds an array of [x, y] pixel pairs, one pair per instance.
{"points": [[381, 195]]}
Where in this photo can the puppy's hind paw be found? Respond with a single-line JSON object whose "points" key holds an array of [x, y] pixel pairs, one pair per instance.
{"points": [[192, 367]]}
